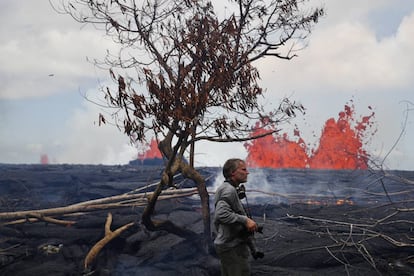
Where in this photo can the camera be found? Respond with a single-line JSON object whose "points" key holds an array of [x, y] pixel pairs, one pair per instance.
{"points": [[241, 191]]}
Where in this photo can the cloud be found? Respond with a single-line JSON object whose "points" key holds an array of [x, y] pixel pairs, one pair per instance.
{"points": [[44, 55], [215, 154], [347, 56], [88, 143]]}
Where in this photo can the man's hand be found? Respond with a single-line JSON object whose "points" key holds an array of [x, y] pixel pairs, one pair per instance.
{"points": [[251, 225]]}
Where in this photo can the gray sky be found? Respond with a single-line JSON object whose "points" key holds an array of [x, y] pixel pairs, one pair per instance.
{"points": [[360, 51]]}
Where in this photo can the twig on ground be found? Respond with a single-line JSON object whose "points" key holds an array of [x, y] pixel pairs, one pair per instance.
{"points": [[109, 235]]}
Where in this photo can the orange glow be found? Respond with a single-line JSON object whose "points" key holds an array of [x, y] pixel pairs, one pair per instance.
{"points": [[340, 146], [314, 202], [152, 152], [327, 202], [344, 201]]}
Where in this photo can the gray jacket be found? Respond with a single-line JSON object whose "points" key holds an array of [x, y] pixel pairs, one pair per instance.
{"points": [[229, 218]]}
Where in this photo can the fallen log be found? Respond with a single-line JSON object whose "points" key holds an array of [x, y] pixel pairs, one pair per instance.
{"points": [[113, 202]]}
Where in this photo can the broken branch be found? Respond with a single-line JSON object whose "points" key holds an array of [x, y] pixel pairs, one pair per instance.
{"points": [[109, 236]]}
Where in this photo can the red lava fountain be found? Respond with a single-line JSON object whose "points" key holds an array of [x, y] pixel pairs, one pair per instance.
{"points": [[152, 153], [44, 159], [340, 146]]}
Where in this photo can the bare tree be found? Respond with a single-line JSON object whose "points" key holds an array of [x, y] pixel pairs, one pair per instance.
{"points": [[186, 72]]}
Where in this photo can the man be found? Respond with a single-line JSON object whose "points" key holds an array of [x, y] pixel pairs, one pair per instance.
{"points": [[234, 228]]}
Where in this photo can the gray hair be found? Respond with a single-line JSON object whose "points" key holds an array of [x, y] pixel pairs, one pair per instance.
{"points": [[230, 166]]}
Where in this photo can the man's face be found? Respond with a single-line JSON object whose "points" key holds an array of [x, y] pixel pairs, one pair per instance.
{"points": [[240, 174]]}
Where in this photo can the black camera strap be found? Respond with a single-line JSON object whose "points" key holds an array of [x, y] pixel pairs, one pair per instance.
{"points": [[247, 210], [241, 192]]}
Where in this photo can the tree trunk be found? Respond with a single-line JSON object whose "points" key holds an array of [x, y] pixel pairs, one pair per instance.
{"points": [[166, 149], [193, 174], [177, 164], [150, 207]]}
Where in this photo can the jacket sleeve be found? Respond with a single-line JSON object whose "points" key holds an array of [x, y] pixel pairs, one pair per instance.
{"points": [[225, 215]]}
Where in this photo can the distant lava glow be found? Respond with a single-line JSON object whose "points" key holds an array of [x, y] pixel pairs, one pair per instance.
{"points": [[340, 146], [44, 159]]}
